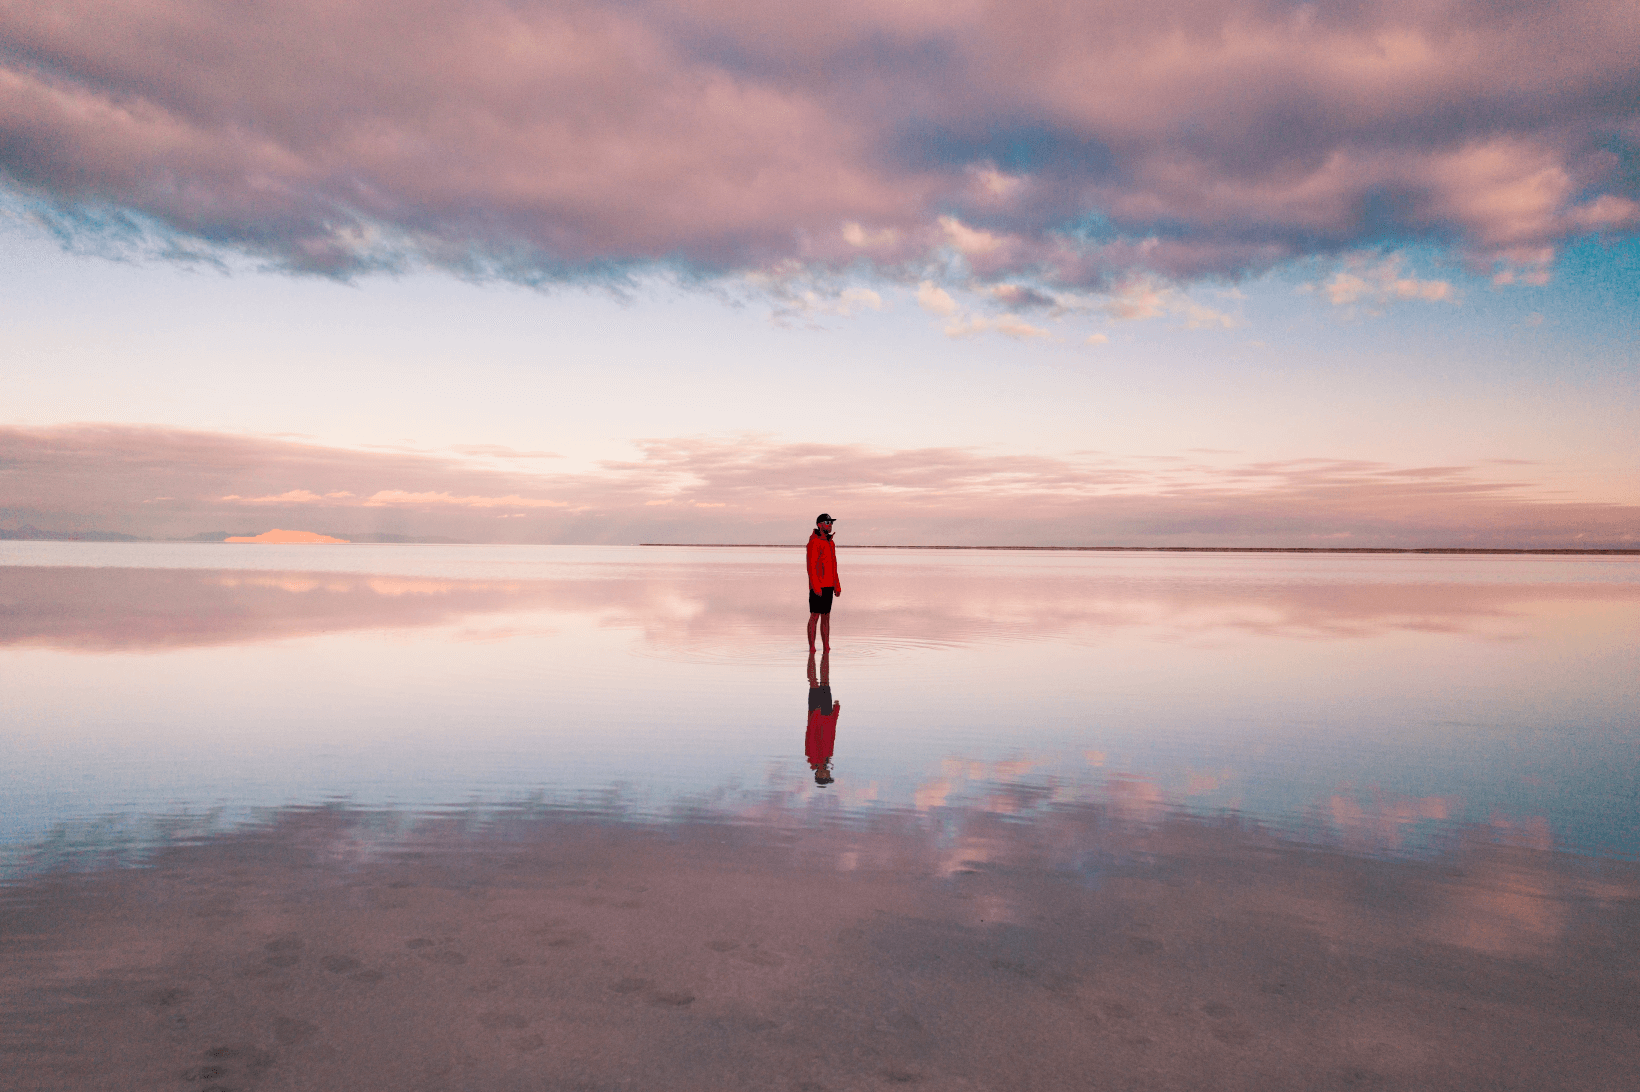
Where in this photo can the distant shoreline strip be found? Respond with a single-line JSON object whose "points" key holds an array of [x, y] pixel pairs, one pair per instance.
{"points": [[1162, 549]]}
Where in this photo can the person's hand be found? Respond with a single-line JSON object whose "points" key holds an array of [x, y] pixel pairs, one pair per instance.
{"points": [[837, 592]]}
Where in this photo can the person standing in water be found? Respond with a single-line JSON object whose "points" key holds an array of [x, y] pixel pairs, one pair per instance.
{"points": [[823, 581], [820, 739]]}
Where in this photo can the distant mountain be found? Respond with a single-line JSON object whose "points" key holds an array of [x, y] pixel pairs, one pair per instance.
{"points": [[34, 534], [281, 537]]}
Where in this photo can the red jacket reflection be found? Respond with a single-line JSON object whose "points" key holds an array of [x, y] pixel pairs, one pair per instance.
{"points": [[821, 737]]}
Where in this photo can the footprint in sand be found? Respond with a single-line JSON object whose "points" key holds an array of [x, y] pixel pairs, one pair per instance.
{"points": [[204, 1073], [445, 955], [289, 1031], [164, 998], [569, 940], [250, 1060], [673, 998], [284, 951], [340, 964]]}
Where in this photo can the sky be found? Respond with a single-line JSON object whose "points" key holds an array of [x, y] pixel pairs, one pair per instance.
{"points": [[1192, 274]]}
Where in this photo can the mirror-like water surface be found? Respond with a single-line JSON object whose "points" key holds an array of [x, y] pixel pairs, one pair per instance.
{"points": [[489, 819], [1370, 702]]}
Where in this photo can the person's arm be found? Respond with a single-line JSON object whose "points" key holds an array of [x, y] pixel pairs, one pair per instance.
{"points": [[814, 565], [836, 573]]}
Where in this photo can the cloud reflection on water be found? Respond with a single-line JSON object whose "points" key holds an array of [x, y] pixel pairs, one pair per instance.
{"points": [[128, 610], [1372, 705]]}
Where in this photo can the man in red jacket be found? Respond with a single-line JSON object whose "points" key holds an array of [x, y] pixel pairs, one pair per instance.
{"points": [[823, 582]]}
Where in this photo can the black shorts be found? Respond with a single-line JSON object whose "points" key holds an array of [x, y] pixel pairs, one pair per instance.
{"points": [[820, 603]]}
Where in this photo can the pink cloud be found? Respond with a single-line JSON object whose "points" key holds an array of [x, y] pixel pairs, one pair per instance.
{"points": [[289, 497], [534, 140], [384, 498], [691, 489], [1380, 281]]}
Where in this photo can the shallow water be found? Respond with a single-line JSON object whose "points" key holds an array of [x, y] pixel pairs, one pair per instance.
{"points": [[455, 818], [1379, 703]]}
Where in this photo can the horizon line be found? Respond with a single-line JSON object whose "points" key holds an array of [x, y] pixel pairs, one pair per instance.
{"points": [[1189, 549]]}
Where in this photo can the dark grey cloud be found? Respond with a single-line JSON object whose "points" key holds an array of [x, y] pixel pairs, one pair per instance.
{"points": [[1063, 144]]}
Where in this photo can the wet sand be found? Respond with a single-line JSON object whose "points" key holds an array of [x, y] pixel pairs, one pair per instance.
{"points": [[546, 950]]}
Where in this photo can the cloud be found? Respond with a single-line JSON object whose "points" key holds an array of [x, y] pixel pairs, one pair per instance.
{"points": [[798, 296], [290, 496], [968, 241], [862, 297], [1020, 296], [1380, 282], [500, 451], [750, 489], [1011, 325], [1148, 297], [1027, 142], [398, 497], [1140, 298], [931, 297]]}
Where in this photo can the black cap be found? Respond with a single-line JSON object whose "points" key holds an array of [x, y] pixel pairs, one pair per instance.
{"points": [[823, 517]]}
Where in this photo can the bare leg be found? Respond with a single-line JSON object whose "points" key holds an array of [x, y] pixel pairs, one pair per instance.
{"points": [[825, 633], [814, 620]]}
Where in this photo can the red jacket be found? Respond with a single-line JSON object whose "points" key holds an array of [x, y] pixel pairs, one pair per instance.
{"points": [[822, 563]]}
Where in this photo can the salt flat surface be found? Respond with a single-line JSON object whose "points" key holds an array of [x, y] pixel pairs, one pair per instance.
{"points": [[490, 818], [1365, 700], [527, 948], [1371, 701]]}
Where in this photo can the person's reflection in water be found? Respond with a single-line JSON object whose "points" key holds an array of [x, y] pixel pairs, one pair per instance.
{"points": [[821, 736]]}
